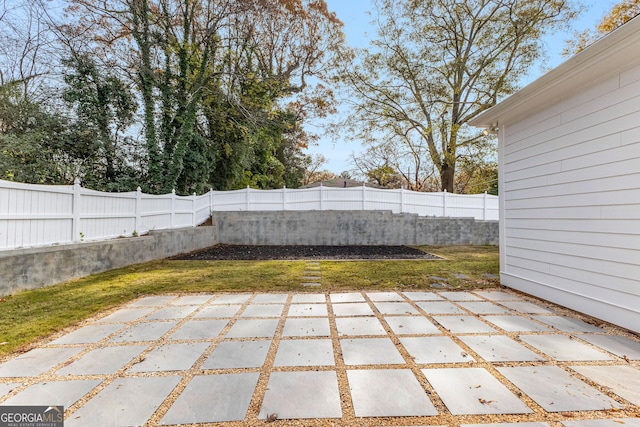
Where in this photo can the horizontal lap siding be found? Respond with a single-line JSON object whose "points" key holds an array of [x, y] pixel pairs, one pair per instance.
{"points": [[571, 194]]}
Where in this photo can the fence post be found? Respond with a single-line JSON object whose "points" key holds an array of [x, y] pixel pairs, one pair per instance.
{"points": [[444, 203], [401, 200], [321, 196], [195, 211], [138, 221], [173, 208], [75, 227], [484, 207], [284, 198], [210, 201], [364, 195], [247, 198]]}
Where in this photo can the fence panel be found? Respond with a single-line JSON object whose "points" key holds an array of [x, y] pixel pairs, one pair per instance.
{"points": [[38, 215], [35, 215]]}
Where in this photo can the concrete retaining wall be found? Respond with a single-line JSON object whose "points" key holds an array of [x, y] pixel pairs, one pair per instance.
{"points": [[350, 228], [37, 267]]}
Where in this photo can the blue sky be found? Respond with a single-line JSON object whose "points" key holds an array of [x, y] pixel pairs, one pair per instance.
{"points": [[353, 14]]}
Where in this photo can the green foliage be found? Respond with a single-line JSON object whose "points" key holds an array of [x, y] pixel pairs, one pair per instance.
{"points": [[33, 142], [104, 109]]}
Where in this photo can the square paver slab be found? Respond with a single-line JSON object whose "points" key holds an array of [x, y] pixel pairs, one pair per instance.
{"points": [[568, 324], [555, 390], [615, 422], [305, 353], [482, 307], [395, 308], [616, 344], [217, 311], [238, 354], [516, 324], [346, 297], [192, 300], [5, 388], [308, 310], [213, 398], [199, 330], [263, 310], [388, 393], [460, 296], [145, 331], [102, 361], [563, 348], [423, 296], [308, 298], [384, 296], [311, 327], [171, 357], [526, 307], [473, 391], [370, 351], [622, 380], [463, 324], [359, 326], [498, 295], [352, 309], [155, 301], [231, 299], [89, 334], [411, 325], [126, 315], [173, 312], [264, 328], [52, 393], [435, 350], [270, 299], [124, 402], [439, 307], [36, 361], [498, 348], [309, 394]]}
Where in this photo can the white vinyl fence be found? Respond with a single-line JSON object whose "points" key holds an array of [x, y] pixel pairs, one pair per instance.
{"points": [[38, 215]]}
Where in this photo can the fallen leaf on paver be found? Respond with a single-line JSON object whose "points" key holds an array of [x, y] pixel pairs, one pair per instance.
{"points": [[464, 354], [485, 402], [140, 360], [272, 417], [624, 356]]}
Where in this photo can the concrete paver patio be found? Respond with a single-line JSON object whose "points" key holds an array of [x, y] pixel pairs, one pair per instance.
{"points": [[491, 358]]}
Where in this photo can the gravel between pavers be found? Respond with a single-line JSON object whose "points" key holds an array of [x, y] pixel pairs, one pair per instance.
{"points": [[349, 418], [299, 252]]}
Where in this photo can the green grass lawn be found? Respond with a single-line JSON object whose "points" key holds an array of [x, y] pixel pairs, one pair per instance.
{"points": [[32, 315]]}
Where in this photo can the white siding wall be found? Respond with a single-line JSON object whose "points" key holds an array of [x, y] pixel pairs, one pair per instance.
{"points": [[570, 189]]}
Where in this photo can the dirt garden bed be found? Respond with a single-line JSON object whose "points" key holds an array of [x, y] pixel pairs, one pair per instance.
{"points": [[301, 252]]}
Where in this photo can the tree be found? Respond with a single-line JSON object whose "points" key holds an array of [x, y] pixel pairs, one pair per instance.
{"points": [[312, 169], [223, 84], [25, 39], [104, 107], [435, 65], [34, 140], [617, 16]]}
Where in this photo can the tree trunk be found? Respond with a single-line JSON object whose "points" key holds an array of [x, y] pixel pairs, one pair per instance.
{"points": [[447, 175]]}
